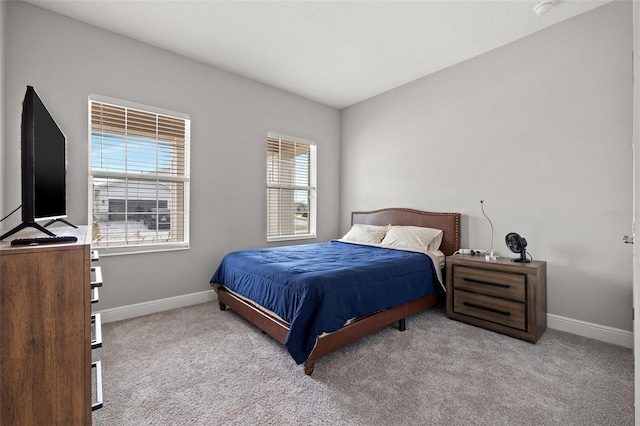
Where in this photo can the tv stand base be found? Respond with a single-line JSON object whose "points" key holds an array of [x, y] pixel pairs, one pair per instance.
{"points": [[52, 221], [24, 225]]}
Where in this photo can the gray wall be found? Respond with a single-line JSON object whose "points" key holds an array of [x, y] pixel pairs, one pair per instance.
{"points": [[65, 60], [541, 130], [2, 77]]}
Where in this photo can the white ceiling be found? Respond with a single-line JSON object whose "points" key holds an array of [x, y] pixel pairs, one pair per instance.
{"points": [[334, 52]]}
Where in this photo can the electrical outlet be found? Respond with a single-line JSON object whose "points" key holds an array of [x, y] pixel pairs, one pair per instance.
{"points": [[472, 251]]}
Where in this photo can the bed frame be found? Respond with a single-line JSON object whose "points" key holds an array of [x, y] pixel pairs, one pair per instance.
{"points": [[448, 222]]}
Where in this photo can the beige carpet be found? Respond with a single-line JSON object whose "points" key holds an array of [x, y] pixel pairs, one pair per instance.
{"points": [[201, 366]]}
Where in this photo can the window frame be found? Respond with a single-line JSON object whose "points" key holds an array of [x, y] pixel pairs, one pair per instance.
{"points": [[312, 188], [184, 178]]}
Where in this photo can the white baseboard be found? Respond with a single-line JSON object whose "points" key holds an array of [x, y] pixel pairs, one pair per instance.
{"points": [[594, 331], [153, 306], [581, 328]]}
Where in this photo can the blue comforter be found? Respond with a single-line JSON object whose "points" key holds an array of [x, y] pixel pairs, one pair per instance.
{"points": [[316, 288]]}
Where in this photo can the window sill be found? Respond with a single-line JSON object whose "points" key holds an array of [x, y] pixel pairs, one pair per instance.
{"points": [[291, 238], [140, 249]]}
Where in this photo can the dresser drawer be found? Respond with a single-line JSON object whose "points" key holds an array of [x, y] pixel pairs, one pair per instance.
{"points": [[491, 283], [500, 311]]}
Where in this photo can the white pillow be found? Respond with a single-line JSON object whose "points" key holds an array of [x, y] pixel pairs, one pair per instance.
{"points": [[370, 234], [413, 237]]}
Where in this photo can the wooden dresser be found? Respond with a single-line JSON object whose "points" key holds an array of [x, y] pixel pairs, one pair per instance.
{"points": [[45, 332], [503, 296]]}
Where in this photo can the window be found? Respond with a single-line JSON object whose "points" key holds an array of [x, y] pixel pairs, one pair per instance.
{"points": [[139, 176], [291, 188]]}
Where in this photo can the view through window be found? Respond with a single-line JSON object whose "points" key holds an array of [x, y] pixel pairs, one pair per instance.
{"points": [[139, 176], [291, 188]]}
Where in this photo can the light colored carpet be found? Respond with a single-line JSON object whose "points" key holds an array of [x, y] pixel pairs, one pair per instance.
{"points": [[201, 366]]}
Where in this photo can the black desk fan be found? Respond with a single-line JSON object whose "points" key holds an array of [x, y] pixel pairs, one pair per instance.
{"points": [[517, 244]]}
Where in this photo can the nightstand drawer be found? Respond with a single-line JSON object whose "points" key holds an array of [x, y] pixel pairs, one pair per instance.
{"points": [[492, 283], [500, 311]]}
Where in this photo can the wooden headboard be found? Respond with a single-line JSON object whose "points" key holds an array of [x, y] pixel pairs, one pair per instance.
{"points": [[448, 222]]}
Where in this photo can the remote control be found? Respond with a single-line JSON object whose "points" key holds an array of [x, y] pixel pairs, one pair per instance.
{"points": [[43, 240]]}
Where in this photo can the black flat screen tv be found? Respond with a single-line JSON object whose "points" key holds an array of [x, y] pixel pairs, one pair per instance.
{"points": [[44, 166]]}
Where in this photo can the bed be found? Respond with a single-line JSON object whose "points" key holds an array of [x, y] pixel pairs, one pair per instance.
{"points": [[315, 298]]}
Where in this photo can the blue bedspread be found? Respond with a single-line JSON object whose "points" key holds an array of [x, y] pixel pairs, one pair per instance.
{"points": [[316, 288]]}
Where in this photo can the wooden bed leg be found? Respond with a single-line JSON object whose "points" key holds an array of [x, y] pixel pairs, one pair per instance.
{"points": [[402, 324], [308, 366], [222, 306]]}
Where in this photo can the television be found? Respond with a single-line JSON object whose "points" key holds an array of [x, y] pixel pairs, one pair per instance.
{"points": [[44, 167]]}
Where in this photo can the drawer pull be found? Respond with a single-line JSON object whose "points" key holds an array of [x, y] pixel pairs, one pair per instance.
{"points": [[484, 308], [96, 342], [96, 277], [487, 283], [99, 401], [95, 296]]}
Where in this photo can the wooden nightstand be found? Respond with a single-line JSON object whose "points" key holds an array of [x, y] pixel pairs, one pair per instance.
{"points": [[502, 296]]}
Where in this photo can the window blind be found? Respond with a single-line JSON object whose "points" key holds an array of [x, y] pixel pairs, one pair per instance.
{"points": [[140, 176], [291, 188]]}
